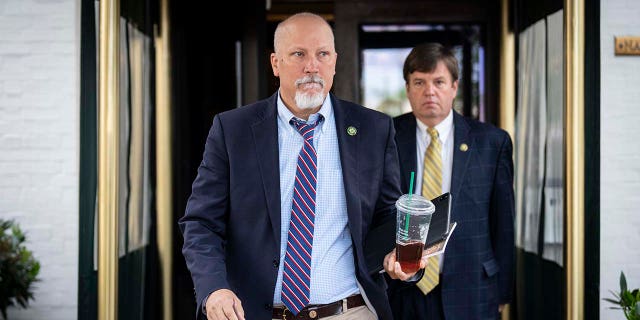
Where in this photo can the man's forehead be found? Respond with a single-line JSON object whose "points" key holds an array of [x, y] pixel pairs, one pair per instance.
{"points": [[437, 73], [309, 48]]}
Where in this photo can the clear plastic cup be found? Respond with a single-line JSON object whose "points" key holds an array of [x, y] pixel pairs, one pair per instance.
{"points": [[413, 218]]}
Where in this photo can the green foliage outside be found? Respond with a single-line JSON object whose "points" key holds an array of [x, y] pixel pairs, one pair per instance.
{"points": [[18, 268], [627, 300]]}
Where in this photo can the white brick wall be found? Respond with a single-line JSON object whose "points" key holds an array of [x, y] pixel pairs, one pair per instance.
{"points": [[619, 153], [39, 136]]}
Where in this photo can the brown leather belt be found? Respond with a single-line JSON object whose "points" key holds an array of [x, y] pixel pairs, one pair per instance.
{"points": [[317, 311]]}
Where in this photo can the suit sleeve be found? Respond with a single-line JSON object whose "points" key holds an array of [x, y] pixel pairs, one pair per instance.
{"points": [[502, 219], [203, 225], [390, 188]]}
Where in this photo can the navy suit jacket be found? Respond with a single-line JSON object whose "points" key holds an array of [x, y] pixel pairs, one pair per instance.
{"points": [[477, 273], [231, 226]]}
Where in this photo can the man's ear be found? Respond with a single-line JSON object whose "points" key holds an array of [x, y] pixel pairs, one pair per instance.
{"points": [[274, 65]]}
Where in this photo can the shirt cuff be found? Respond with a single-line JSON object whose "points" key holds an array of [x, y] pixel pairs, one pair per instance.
{"points": [[204, 304], [416, 277]]}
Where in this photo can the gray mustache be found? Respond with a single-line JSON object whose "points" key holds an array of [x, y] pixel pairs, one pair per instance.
{"points": [[310, 79]]}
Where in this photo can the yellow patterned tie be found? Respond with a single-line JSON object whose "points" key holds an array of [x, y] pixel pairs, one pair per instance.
{"points": [[431, 188]]}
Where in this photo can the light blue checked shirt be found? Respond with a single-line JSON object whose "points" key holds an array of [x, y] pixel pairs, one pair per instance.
{"points": [[332, 263]]}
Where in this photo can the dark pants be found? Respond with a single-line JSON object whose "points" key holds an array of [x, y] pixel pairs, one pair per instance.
{"points": [[410, 304]]}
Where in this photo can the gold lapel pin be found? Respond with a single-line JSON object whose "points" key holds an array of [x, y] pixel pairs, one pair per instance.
{"points": [[352, 131], [464, 147]]}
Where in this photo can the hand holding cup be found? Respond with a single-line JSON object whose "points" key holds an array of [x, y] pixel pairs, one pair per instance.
{"points": [[412, 225]]}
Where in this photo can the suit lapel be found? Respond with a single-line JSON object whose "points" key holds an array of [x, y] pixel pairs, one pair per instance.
{"points": [[460, 158], [265, 136], [348, 145], [406, 140]]}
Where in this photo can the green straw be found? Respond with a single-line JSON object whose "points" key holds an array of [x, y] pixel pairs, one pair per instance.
{"points": [[406, 225], [411, 184]]}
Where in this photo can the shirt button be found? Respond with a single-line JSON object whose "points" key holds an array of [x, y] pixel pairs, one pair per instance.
{"points": [[276, 263]]}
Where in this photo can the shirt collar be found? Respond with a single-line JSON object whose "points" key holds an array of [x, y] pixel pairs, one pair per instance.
{"points": [[444, 128], [286, 115]]}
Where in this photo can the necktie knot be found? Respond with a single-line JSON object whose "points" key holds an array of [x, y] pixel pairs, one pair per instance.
{"points": [[304, 128], [433, 132]]}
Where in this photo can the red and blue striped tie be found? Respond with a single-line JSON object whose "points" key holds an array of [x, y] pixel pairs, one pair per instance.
{"points": [[296, 276]]}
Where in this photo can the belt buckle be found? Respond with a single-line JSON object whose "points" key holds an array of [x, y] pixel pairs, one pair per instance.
{"points": [[284, 313]]}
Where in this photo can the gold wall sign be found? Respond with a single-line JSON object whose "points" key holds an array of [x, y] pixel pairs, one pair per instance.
{"points": [[627, 46]]}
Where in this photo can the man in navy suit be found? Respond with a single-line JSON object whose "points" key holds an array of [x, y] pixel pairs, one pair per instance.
{"points": [[476, 271], [259, 177]]}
